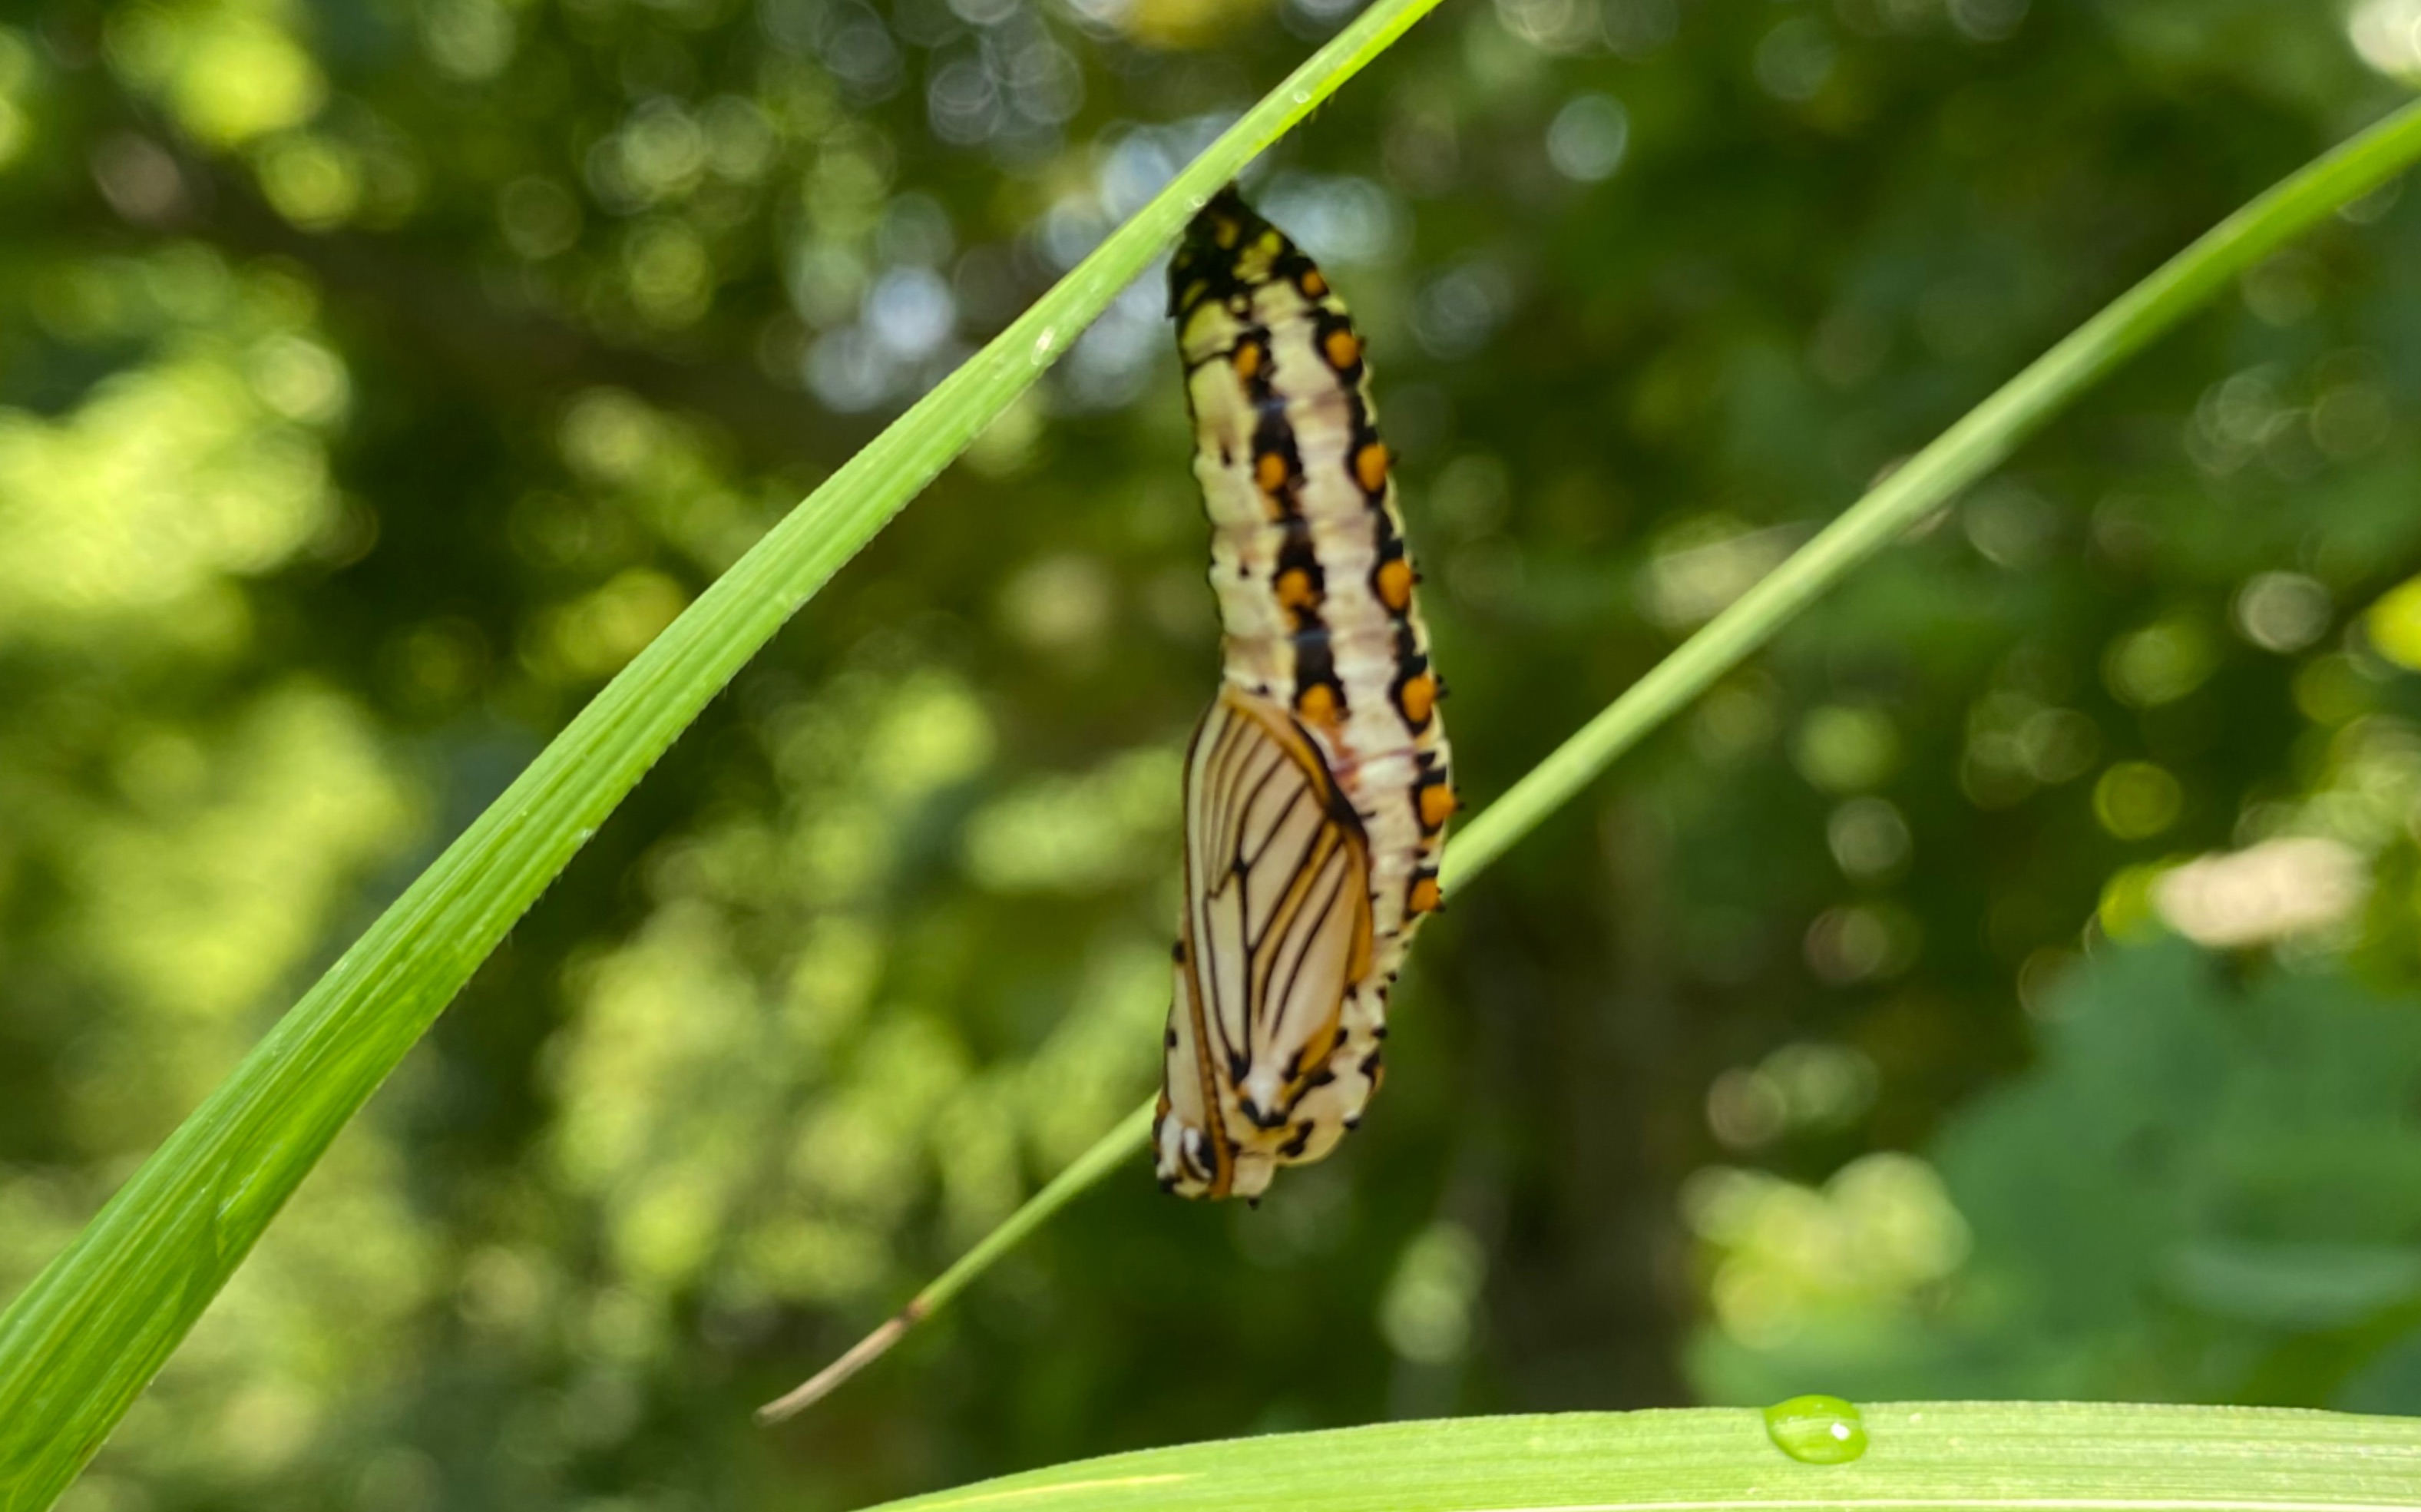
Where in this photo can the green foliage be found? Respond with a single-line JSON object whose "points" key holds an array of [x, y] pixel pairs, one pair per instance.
{"points": [[2202, 1189], [84, 1338], [378, 379]]}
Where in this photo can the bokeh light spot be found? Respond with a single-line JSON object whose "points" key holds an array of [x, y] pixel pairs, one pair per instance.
{"points": [[2138, 800], [1589, 137]]}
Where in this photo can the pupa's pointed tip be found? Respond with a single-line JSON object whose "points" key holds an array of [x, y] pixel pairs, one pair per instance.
{"points": [[829, 1379]]}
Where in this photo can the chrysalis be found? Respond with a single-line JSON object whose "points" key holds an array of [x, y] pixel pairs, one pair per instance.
{"points": [[1318, 789]]}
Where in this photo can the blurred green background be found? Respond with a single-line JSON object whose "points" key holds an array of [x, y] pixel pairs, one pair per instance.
{"points": [[2006, 986]]}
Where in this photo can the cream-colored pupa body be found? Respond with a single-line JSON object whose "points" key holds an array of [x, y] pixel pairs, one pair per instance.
{"points": [[1317, 788]]}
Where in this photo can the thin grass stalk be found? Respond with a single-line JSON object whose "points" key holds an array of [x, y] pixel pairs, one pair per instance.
{"points": [[1929, 480]]}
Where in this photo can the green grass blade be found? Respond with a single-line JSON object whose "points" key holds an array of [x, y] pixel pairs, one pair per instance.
{"points": [[83, 1337], [1108, 1152], [1921, 1455], [1928, 481], [1956, 459]]}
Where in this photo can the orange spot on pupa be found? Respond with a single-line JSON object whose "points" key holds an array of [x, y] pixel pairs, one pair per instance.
{"points": [[1313, 286], [1438, 804], [1371, 467], [1248, 359], [1295, 589], [1317, 703], [1394, 583], [1342, 348], [1425, 896], [1419, 699], [1270, 472]]}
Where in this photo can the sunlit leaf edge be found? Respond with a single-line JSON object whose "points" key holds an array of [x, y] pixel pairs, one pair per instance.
{"points": [[2072, 1455]]}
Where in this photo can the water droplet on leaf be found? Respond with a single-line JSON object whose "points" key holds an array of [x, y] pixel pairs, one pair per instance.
{"points": [[1817, 1431]]}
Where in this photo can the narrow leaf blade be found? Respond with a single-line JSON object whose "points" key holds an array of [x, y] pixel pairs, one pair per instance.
{"points": [[81, 1341]]}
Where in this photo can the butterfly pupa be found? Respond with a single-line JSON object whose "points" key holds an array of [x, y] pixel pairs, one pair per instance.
{"points": [[1318, 784]]}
